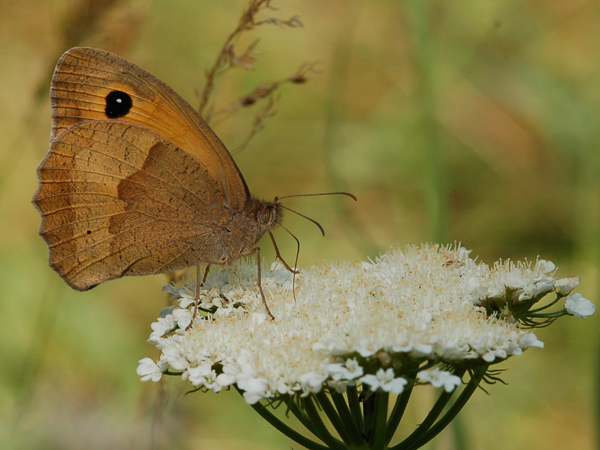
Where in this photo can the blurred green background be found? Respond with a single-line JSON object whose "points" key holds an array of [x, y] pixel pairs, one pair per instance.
{"points": [[470, 121]]}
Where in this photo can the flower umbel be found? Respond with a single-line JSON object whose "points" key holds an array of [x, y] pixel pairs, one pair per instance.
{"points": [[356, 333]]}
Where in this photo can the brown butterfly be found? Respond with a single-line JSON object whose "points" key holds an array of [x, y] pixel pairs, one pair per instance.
{"points": [[135, 182]]}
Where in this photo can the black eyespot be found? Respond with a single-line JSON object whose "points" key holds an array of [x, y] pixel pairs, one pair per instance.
{"points": [[118, 104], [89, 231]]}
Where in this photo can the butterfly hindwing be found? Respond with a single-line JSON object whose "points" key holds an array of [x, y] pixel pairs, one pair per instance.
{"points": [[118, 199]]}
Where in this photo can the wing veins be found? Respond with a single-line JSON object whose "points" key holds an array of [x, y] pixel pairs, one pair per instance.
{"points": [[135, 167], [79, 266]]}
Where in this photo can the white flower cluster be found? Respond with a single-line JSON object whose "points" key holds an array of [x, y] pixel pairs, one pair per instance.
{"points": [[521, 280], [348, 323]]}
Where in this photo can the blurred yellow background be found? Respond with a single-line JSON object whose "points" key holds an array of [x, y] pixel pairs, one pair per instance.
{"points": [[469, 121]]}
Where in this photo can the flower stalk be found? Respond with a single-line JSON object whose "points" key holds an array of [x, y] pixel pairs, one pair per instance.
{"points": [[365, 424]]}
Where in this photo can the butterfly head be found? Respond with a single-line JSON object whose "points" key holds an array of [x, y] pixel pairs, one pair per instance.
{"points": [[267, 214], [270, 214]]}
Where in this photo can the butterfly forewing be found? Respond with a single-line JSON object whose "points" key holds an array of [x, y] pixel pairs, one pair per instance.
{"points": [[86, 77]]}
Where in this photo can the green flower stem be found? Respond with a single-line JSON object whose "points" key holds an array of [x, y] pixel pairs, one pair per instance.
{"points": [[533, 324], [398, 411], [344, 428], [299, 414], [354, 403], [353, 427], [547, 306], [547, 315], [283, 428], [415, 436], [438, 407], [460, 402], [320, 430], [368, 414], [377, 441]]}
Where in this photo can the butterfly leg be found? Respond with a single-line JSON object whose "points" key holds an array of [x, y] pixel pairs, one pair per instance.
{"points": [[259, 283], [281, 257], [198, 286], [294, 271]]}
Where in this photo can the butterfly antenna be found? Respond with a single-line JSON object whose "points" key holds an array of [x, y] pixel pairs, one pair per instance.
{"points": [[347, 194], [312, 195], [306, 217]]}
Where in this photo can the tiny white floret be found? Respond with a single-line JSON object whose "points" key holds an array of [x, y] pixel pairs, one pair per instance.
{"points": [[385, 380], [149, 370], [565, 285], [438, 378], [578, 306]]}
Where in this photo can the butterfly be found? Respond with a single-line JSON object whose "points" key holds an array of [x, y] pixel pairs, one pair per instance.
{"points": [[135, 182]]}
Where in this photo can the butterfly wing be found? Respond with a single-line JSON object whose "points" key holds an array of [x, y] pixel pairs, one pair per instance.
{"points": [[118, 199], [83, 83]]}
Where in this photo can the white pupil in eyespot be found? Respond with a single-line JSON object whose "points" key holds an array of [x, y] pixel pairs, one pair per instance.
{"points": [[119, 100]]}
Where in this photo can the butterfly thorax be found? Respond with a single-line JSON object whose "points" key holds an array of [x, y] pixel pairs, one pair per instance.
{"points": [[249, 225]]}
